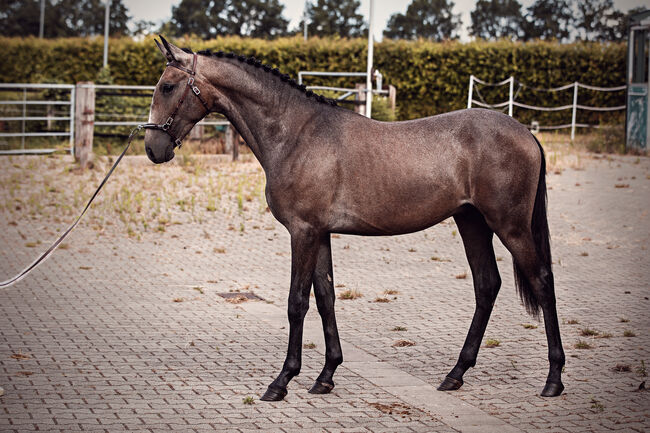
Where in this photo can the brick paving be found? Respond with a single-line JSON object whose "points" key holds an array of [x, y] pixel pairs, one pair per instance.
{"points": [[114, 334]]}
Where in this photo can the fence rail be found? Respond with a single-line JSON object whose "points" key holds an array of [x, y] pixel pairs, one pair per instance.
{"points": [[24, 117], [511, 103]]}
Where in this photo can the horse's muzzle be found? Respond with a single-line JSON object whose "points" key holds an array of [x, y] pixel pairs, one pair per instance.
{"points": [[159, 158]]}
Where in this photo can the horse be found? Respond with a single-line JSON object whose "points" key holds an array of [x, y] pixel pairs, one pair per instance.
{"points": [[329, 170]]}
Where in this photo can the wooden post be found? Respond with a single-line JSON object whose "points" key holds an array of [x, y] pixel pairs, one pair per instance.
{"points": [[196, 133], [361, 97], [84, 122], [232, 142], [392, 97]]}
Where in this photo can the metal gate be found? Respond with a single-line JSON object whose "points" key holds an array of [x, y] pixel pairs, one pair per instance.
{"points": [[23, 118]]}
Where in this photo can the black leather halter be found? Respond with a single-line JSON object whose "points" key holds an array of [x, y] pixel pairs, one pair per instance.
{"points": [[166, 127]]}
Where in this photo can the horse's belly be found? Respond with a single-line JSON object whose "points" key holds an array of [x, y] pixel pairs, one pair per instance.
{"points": [[394, 214]]}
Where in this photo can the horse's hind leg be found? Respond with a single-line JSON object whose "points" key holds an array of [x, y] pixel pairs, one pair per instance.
{"points": [[324, 292], [537, 290], [477, 239]]}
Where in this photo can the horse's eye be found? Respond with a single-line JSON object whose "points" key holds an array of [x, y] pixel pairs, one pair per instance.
{"points": [[167, 88]]}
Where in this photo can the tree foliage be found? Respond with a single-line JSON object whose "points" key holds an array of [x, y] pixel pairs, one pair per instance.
{"points": [[335, 18], [429, 19], [63, 18], [495, 19], [549, 20], [210, 18]]}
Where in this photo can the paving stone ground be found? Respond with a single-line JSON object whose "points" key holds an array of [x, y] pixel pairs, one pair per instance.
{"points": [[125, 332]]}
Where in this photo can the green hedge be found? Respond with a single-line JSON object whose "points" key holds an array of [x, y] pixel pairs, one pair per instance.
{"points": [[430, 77]]}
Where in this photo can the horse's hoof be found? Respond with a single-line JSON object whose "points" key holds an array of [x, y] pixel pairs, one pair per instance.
{"points": [[450, 384], [552, 389], [321, 388], [274, 394]]}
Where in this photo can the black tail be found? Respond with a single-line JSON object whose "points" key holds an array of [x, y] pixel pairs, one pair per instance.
{"points": [[541, 237]]}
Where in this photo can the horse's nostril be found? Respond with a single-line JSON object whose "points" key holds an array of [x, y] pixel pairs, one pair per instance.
{"points": [[149, 153]]}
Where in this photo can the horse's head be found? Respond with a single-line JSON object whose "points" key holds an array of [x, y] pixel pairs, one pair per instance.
{"points": [[177, 103]]}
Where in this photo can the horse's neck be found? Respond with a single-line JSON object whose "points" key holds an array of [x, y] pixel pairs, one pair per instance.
{"points": [[269, 114]]}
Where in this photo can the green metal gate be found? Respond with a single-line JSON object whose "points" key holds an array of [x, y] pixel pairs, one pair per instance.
{"points": [[637, 124]]}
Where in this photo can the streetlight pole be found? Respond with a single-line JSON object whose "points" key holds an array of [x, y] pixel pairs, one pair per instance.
{"points": [[106, 25], [41, 27], [369, 70]]}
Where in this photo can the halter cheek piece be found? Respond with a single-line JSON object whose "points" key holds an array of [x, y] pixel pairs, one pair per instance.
{"points": [[166, 127]]}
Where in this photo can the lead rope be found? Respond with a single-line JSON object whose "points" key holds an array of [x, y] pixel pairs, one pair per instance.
{"points": [[56, 243]]}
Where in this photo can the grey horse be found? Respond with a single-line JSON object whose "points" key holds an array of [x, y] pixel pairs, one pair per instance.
{"points": [[329, 170]]}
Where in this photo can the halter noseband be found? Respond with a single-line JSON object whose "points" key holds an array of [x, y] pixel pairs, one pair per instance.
{"points": [[190, 85]]}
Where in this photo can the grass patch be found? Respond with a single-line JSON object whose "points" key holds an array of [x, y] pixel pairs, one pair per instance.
{"points": [[623, 320], [597, 405], [572, 322], [391, 292], [399, 329], [491, 342], [587, 332], [309, 345], [529, 326], [461, 276], [581, 344], [382, 299], [403, 343], [629, 333], [248, 400], [350, 294], [641, 370], [198, 289]]}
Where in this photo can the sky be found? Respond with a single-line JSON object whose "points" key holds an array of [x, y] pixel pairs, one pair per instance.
{"points": [[161, 10]]}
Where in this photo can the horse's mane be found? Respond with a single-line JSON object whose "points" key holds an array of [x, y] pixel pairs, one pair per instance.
{"points": [[266, 68]]}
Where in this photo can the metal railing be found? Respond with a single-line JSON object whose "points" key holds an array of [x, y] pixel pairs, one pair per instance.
{"points": [[511, 103], [23, 118]]}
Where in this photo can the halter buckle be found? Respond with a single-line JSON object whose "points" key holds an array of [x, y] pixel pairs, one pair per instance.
{"points": [[178, 143], [168, 123], [196, 90], [190, 81]]}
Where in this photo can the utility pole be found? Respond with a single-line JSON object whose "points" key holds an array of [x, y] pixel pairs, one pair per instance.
{"points": [[304, 22], [106, 25], [369, 71], [41, 27]]}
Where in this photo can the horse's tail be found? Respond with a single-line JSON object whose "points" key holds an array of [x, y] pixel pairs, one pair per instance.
{"points": [[541, 237]]}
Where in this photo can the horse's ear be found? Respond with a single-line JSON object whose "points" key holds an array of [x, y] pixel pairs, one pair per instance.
{"points": [[163, 51], [171, 51]]}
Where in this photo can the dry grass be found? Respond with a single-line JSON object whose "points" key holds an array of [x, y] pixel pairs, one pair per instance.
{"points": [[350, 294], [403, 343], [139, 197], [491, 342]]}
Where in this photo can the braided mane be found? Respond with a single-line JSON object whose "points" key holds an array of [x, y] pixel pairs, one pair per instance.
{"points": [[266, 68]]}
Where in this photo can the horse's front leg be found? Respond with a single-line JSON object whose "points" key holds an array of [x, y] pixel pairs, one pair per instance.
{"points": [[304, 253], [324, 291]]}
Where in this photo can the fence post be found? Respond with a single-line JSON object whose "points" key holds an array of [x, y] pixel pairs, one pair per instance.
{"points": [[575, 108], [471, 89], [232, 142], [360, 96], [511, 96], [84, 122], [392, 97]]}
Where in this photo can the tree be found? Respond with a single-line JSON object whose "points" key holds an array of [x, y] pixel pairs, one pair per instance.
{"points": [[494, 19], [209, 18], [597, 20], [548, 19], [430, 19], [330, 17], [62, 18]]}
